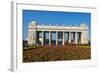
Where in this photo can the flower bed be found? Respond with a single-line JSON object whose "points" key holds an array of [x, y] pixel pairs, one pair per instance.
{"points": [[56, 53]]}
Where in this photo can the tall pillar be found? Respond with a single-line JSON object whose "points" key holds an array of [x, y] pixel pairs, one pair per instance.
{"points": [[49, 38], [42, 37], [76, 38], [56, 37], [63, 39], [69, 41]]}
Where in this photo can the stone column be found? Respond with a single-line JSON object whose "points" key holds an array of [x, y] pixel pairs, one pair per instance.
{"points": [[30, 36], [35, 37], [42, 37], [49, 38], [63, 38], [69, 41], [76, 37], [56, 37]]}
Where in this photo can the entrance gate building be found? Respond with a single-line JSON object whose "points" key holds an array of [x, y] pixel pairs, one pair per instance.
{"points": [[57, 35]]}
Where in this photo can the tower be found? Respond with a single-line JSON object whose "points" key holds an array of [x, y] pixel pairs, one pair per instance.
{"points": [[84, 35], [32, 33]]}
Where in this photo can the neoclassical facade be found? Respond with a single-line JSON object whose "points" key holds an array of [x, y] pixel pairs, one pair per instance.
{"points": [[56, 35]]}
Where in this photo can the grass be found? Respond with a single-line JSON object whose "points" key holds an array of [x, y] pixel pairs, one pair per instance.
{"points": [[34, 47], [56, 53], [84, 46]]}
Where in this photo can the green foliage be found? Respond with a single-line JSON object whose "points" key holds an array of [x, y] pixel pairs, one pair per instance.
{"points": [[34, 47], [85, 46]]}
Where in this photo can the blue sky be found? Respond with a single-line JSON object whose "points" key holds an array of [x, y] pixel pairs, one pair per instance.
{"points": [[53, 18]]}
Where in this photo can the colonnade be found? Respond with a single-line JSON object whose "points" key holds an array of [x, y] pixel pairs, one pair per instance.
{"points": [[72, 37]]}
